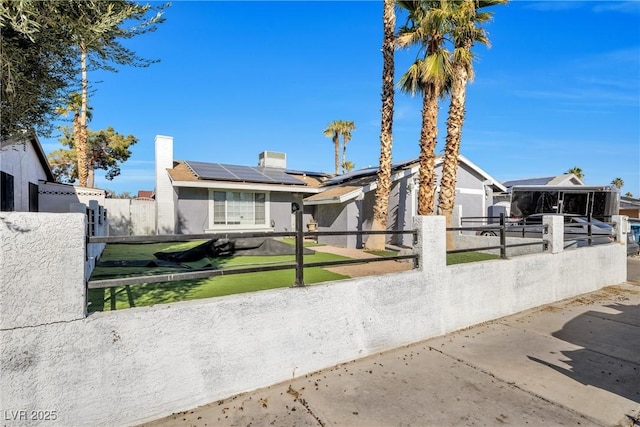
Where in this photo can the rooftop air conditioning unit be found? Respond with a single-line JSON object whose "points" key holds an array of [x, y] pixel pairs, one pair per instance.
{"points": [[272, 159]]}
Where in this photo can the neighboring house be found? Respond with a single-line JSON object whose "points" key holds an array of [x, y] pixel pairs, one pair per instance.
{"points": [[28, 185], [145, 195], [346, 202], [630, 206], [560, 180], [199, 197], [23, 165]]}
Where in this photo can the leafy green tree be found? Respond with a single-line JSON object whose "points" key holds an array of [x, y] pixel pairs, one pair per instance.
{"points": [[125, 195], [426, 27], [618, 182], [107, 150], [381, 205], [577, 172], [466, 18], [38, 65]]}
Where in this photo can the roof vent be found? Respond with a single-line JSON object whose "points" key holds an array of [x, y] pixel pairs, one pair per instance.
{"points": [[272, 159]]}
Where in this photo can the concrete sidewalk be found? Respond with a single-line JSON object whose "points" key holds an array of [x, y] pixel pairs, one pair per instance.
{"points": [[575, 362]]}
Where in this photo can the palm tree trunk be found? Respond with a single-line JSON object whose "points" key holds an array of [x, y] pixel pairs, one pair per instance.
{"points": [[381, 207], [344, 152], [452, 147], [81, 136], [336, 144], [428, 135]]}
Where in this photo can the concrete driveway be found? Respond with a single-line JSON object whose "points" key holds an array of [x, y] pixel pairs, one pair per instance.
{"points": [[576, 362]]}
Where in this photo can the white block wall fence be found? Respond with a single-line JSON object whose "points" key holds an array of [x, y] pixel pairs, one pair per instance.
{"points": [[130, 366]]}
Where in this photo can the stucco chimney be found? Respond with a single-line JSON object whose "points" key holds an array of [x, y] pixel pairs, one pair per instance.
{"points": [[166, 197]]}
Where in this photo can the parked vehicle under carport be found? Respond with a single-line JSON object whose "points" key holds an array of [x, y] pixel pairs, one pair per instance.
{"points": [[576, 230]]}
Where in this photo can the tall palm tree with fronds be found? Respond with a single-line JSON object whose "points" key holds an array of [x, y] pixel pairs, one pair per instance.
{"points": [[335, 130], [577, 172], [332, 131], [381, 206], [346, 128], [426, 26], [466, 19], [618, 182]]}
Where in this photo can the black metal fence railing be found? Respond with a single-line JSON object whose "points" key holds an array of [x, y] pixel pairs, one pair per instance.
{"points": [[577, 229], [299, 265], [490, 228]]}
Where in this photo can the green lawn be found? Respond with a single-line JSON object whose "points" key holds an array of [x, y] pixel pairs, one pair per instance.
{"points": [[166, 292], [463, 257]]}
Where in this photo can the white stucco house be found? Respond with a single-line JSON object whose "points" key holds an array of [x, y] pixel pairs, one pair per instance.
{"points": [[28, 185], [23, 166]]}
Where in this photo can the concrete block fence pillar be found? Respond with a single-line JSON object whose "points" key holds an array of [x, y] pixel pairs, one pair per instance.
{"points": [[42, 260], [555, 233], [432, 245], [621, 227]]}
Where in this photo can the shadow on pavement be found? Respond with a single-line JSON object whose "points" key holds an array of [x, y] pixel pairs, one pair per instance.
{"points": [[610, 355]]}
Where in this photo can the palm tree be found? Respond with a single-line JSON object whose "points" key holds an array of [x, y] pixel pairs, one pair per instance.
{"points": [[428, 75], [346, 128], [628, 194], [577, 172], [95, 29], [618, 182], [348, 166], [333, 131], [77, 105], [465, 31], [381, 206]]}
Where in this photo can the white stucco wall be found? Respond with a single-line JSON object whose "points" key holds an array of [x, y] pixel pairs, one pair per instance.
{"points": [[56, 198], [42, 265], [131, 217], [123, 367]]}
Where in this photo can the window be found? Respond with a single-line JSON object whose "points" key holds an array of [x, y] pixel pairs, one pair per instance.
{"points": [[239, 208], [6, 192]]}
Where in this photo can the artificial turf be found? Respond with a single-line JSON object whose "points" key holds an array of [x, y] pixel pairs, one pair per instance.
{"points": [[183, 290]]}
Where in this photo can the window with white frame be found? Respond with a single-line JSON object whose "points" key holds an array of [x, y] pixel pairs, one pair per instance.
{"points": [[239, 208]]}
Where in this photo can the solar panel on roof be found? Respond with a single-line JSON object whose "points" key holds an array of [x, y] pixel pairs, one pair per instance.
{"points": [[246, 173], [210, 171], [279, 176], [365, 172], [240, 173], [353, 174]]}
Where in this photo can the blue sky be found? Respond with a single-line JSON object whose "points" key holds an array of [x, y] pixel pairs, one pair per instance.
{"points": [[559, 87]]}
